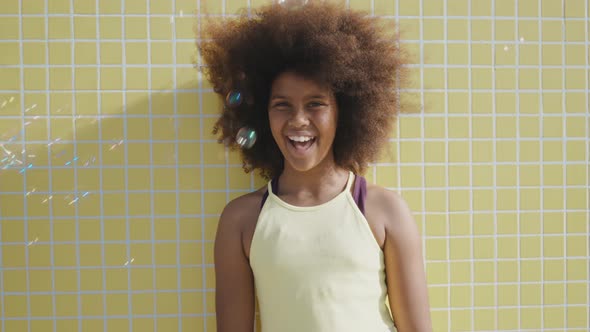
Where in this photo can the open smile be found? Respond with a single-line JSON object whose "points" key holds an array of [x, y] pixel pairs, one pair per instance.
{"points": [[301, 143]]}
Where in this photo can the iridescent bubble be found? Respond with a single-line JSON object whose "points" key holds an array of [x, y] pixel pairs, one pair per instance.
{"points": [[9, 159], [292, 4], [47, 199], [246, 137], [115, 145], [30, 108], [24, 169], [53, 142], [75, 199], [70, 162], [34, 241], [234, 98]]}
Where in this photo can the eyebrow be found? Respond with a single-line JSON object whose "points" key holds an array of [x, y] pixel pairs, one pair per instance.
{"points": [[320, 96]]}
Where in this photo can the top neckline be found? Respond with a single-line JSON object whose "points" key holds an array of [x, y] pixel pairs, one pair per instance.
{"points": [[280, 201]]}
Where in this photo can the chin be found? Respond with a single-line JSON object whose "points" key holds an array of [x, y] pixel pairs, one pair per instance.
{"points": [[313, 159], [301, 166]]}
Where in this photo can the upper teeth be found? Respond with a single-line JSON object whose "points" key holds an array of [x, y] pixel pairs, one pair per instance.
{"points": [[300, 138]]}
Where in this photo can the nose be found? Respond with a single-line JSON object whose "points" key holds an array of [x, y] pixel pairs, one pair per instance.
{"points": [[298, 118]]}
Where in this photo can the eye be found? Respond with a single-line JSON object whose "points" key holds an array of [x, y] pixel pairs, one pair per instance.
{"points": [[280, 105], [316, 104]]}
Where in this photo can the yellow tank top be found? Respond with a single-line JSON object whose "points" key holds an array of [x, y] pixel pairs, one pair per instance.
{"points": [[319, 268]]}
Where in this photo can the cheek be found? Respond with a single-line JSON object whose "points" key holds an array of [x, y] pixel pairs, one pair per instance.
{"points": [[328, 123], [275, 125]]}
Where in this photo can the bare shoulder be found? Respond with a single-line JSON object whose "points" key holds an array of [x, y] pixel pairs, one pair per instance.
{"points": [[234, 281], [392, 211], [240, 216], [404, 263], [242, 208]]}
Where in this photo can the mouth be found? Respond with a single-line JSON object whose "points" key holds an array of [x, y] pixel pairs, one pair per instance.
{"points": [[301, 143]]}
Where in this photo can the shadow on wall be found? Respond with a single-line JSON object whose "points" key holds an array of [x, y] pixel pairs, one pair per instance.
{"points": [[134, 147], [104, 185], [102, 164]]}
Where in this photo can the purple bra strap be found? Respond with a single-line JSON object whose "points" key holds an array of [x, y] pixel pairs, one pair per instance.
{"points": [[359, 193]]}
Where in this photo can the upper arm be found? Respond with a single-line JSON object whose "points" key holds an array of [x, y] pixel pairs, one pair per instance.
{"points": [[404, 264], [234, 290]]}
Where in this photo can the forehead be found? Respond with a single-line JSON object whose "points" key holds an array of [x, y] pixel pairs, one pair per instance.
{"points": [[294, 84]]}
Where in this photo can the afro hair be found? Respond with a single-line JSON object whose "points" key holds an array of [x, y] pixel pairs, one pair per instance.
{"points": [[348, 50]]}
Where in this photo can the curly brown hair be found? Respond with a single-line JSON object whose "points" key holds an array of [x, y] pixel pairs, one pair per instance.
{"points": [[348, 50]]}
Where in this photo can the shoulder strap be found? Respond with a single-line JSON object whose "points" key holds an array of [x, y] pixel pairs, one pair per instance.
{"points": [[360, 192], [275, 189]]}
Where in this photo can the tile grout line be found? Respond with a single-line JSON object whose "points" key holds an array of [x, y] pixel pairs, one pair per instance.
{"points": [[212, 290], [23, 170], [470, 161], [499, 18], [523, 91], [20, 243], [564, 160], [74, 201], [446, 162], [243, 191], [151, 167], [129, 258], [541, 164], [409, 65], [518, 140], [201, 173], [50, 167], [494, 164], [100, 173], [409, 163], [587, 125], [177, 218], [422, 135]]}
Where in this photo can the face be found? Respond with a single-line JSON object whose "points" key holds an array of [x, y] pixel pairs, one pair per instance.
{"points": [[303, 117]]}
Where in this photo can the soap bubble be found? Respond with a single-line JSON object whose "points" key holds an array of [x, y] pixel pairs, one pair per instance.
{"points": [[33, 241], [246, 137], [234, 98]]}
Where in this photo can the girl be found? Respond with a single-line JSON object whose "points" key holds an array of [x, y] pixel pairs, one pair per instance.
{"points": [[310, 97]]}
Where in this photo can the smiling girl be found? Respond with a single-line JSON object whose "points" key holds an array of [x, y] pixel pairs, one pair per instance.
{"points": [[318, 247]]}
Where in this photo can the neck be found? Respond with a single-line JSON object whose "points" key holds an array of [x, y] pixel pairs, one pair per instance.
{"points": [[326, 177]]}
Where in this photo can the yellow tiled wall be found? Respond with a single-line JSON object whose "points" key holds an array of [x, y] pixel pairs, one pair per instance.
{"points": [[111, 183]]}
